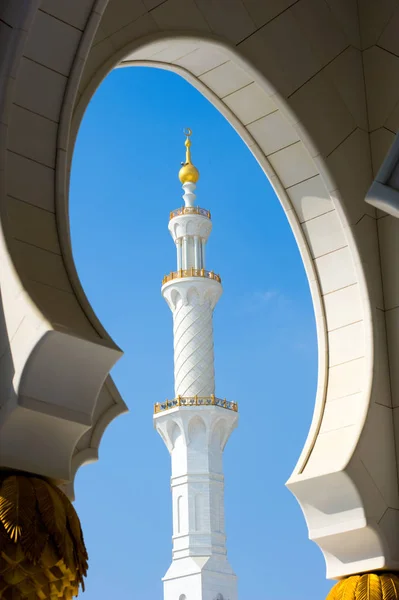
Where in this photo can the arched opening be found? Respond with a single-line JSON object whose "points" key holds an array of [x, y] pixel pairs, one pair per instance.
{"points": [[308, 194], [251, 302]]}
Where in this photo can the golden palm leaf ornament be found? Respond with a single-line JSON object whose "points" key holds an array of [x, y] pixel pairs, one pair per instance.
{"points": [[389, 590], [42, 551], [16, 505], [34, 540], [75, 532], [346, 589], [367, 586]]}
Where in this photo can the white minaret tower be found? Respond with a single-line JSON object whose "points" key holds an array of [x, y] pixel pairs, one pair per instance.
{"points": [[195, 425]]}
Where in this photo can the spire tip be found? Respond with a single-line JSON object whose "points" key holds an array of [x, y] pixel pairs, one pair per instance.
{"points": [[188, 173]]}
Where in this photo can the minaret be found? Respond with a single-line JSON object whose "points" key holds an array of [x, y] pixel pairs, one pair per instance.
{"points": [[195, 425]]}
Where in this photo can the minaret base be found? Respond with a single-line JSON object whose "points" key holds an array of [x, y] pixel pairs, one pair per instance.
{"points": [[200, 578]]}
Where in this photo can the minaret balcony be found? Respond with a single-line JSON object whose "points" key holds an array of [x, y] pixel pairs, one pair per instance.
{"points": [[195, 401], [191, 273], [190, 210]]}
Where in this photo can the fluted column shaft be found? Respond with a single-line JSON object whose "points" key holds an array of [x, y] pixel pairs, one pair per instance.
{"points": [[193, 349]]}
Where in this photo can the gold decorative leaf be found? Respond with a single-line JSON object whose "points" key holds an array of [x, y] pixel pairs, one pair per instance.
{"points": [[75, 531], [42, 551], [17, 505], [73, 522], [4, 538], [389, 587], [333, 594], [349, 590], [345, 589], [34, 540], [369, 587], [51, 511], [336, 592]]}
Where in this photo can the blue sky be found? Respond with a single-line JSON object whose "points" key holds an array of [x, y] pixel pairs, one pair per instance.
{"points": [[124, 183]]}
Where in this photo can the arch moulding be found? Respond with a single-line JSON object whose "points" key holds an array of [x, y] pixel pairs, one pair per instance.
{"points": [[335, 477]]}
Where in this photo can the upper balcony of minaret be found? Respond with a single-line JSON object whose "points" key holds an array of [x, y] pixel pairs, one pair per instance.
{"points": [[191, 286], [190, 221], [190, 226]]}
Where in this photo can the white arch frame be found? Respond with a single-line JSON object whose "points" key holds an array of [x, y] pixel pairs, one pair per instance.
{"points": [[352, 526], [311, 478]]}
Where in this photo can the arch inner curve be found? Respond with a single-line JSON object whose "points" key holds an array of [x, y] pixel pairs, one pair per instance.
{"points": [[304, 187], [317, 213]]}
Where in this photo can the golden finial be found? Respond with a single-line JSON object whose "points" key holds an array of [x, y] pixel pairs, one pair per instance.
{"points": [[188, 173]]}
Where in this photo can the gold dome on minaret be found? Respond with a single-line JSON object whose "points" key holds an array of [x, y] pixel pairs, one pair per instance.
{"points": [[367, 586], [188, 173]]}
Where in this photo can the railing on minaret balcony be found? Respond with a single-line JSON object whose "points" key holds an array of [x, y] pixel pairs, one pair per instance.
{"points": [[191, 273], [195, 401], [190, 210]]}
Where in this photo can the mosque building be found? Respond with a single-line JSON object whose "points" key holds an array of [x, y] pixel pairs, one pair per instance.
{"points": [[196, 424]]}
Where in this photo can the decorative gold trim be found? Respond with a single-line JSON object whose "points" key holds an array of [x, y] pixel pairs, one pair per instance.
{"points": [[191, 273], [190, 210], [367, 586], [42, 551], [195, 401]]}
